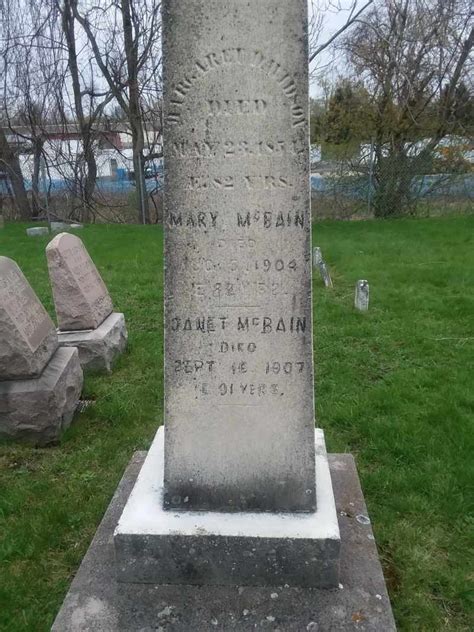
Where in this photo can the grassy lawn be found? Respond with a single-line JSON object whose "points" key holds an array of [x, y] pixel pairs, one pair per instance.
{"points": [[394, 386]]}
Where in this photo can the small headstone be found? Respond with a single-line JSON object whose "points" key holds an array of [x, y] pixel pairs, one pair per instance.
{"points": [[37, 231], [2, 221], [361, 299], [317, 256], [58, 226], [319, 264], [325, 275], [27, 333], [81, 298]]}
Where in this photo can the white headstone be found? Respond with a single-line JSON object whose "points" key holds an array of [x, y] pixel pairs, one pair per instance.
{"points": [[317, 256], [361, 298], [27, 334], [81, 298], [37, 231], [239, 410]]}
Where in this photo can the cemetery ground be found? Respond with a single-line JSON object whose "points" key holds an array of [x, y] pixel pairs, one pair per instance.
{"points": [[393, 386]]}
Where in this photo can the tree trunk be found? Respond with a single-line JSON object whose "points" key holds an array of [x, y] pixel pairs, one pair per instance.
{"points": [[394, 175], [10, 163], [134, 112], [88, 188], [35, 200]]}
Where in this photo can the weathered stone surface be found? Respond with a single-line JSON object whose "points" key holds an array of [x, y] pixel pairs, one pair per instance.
{"points": [[27, 334], [239, 410], [99, 348], [96, 602], [58, 226], [361, 298], [37, 231], [37, 410], [81, 298], [153, 545], [325, 274], [317, 257]]}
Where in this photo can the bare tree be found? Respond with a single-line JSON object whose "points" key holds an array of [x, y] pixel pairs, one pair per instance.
{"points": [[128, 58], [321, 45], [412, 55], [9, 152]]}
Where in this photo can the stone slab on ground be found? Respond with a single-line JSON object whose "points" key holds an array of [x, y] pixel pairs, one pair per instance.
{"points": [[81, 298], [96, 602], [27, 334], [56, 227], [98, 348], [37, 231], [38, 410], [155, 545]]}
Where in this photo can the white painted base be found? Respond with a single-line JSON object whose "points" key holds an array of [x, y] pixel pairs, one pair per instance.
{"points": [[157, 546]]}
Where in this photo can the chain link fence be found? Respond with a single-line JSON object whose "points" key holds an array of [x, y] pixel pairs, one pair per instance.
{"points": [[370, 181]]}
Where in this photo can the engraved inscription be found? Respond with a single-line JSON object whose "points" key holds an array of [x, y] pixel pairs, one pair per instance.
{"points": [[229, 107], [235, 149], [252, 59], [86, 275], [238, 353]]}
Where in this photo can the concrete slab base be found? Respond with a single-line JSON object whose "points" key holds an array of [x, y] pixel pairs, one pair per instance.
{"points": [[39, 409], [96, 602], [153, 545], [98, 348]]}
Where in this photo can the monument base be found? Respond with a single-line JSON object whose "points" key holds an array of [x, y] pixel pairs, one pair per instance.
{"points": [[153, 545], [37, 410], [98, 348], [96, 602]]}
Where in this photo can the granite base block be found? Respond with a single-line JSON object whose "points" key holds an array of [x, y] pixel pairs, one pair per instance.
{"points": [[98, 348], [153, 545], [38, 410], [96, 602]]}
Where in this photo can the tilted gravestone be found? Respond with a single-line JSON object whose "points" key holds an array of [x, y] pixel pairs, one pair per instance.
{"points": [[83, 305], [239, 407], [39, 383]]}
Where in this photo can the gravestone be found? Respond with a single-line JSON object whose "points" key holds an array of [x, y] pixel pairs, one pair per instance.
{"points": [[361, 296], [239, 408], [37, 231], [83, 305], [317, 256], [319, 264], [2, 221], [80, 297], [27, 332], [39, 383], [56, 227], [218, 500]]}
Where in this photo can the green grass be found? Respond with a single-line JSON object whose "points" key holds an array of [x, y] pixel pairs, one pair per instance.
{"points": [[394, 386]]}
